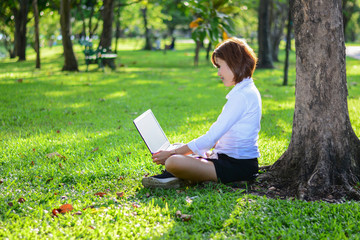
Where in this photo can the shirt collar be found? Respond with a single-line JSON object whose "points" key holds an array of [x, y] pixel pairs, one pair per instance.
{"points": [[238, 86]]}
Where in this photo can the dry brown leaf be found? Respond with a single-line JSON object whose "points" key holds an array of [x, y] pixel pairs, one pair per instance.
{"points": [[178, 213], [95, 149], [53, 154], [135, 205], [1, 181], [55, 212], [185, 217], [100, 194], [32, 163], [120, 194], [21, 200], [65, 208], [10, 204]]}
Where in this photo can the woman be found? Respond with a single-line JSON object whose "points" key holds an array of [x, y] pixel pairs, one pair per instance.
{"points": [[233, 136]]}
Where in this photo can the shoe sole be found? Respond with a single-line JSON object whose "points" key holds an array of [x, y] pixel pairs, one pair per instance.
{"points": [[151, 182]]}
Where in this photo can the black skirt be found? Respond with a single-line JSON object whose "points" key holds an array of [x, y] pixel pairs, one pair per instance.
{"points": [[230, 169]]}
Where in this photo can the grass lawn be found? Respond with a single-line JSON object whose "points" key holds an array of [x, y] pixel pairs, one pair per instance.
{"points": [[66, 136]]}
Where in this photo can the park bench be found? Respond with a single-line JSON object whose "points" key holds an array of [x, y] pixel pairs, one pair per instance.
{"points": [[98, 56]]}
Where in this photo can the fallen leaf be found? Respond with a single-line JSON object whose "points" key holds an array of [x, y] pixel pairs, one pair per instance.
{"points": [[57, 131], [32, 163], [53, 154], [50, 179], [60, 165], [21, 200], [91, 207], [65, 208], [91, 227], [95, 149], [135, 205], [10, 204], [55, 212], [34, 149], [117, 159], [1, 181], [178, 213], [20, 80], [100, 194], [121, 178], [70, 123], [129, 153], [272, 188], [185, 217], [120, 194]]}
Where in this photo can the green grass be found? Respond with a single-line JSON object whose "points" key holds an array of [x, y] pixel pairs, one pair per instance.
{"points": [[87, 118]]}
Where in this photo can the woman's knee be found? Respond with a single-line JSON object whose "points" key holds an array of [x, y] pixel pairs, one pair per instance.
{"points": [[173, 163]]}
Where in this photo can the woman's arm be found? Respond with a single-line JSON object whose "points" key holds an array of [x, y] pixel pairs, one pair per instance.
{"points": [[161, 156]]}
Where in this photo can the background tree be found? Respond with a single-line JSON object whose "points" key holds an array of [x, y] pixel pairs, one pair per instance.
{"points": [[264, 53], [287, 48], [69, 55], [37, 38], [349, 9], [7, 28], [323, 157], [278, 16]]}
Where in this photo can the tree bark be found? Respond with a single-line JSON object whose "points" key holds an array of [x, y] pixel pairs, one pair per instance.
{"points": [[37, 44], [264, 54], [69, 56], [323, 157], [147, 30], [20, 29]]}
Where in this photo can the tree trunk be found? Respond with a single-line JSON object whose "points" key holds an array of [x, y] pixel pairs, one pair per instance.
{"points": [[37, 44], [197, 51], [264, 55], [118, 28], [147, 30], [69, 56], [278, 19], [208, 49], [287, 49], [106, 35], [323, 157], [20, 29]]}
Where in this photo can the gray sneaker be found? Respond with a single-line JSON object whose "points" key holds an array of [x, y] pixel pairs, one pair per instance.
{"points": [[164, 180]]}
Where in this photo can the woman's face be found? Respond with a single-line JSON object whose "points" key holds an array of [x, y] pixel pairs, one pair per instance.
{"points": [[225, 73]]}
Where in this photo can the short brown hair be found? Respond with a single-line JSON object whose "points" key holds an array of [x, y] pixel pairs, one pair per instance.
{"points": [[239, 56]]}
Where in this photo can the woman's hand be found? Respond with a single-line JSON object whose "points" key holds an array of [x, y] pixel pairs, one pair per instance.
{"points": [[161, 156]]}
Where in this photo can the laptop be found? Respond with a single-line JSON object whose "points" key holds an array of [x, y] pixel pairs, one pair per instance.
{"points": [[152, 133]]}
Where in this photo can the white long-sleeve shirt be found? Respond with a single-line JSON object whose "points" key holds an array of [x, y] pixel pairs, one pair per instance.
{"points": [[236, 130]]}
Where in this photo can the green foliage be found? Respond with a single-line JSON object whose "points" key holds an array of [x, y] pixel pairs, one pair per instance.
{"points": [[213, 19], [87, 118]]}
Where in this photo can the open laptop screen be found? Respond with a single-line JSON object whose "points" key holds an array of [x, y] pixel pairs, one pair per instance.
{"points": [[151, 132]]}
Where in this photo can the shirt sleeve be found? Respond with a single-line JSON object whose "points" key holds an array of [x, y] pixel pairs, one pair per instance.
{"points": [[232, 112]]}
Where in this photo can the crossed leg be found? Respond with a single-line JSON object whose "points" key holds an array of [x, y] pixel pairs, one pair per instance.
{"points": [[189, 168]]}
